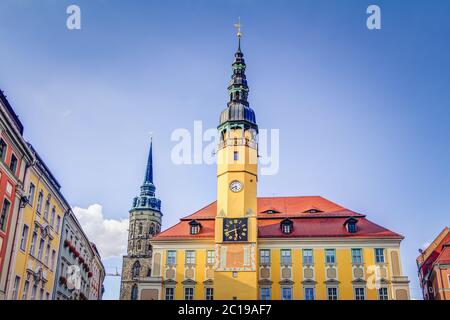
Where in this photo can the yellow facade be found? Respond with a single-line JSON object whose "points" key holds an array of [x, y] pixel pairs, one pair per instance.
{"points": [[38, 238], [345, 274]]}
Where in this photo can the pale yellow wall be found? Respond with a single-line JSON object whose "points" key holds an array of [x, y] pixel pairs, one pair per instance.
{"points": [[23, 259]]}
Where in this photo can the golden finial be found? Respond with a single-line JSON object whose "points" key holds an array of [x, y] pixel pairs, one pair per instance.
{"points": [[238, 27]]}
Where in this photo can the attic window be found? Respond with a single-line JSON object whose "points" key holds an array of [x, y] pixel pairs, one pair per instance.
{"points": [[271, 211], [286, 226], [312, 210], [194, 227], [351, 226]]}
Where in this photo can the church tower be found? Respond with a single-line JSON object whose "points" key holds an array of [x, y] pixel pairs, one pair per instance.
{"points": [[145, 222], [236, 231]]}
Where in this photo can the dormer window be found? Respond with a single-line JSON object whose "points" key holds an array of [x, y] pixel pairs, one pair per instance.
{"points": [[351, 225], [312, 210], [271, 211], [287, 226], [194, 227]]}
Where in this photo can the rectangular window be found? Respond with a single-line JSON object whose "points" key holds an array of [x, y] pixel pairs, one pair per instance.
{"points": [[379, 255], [3, 148], [170, 292], [330, 256], [188, 293], [190, 257], [41, 249], [47, 254], [360, 294], [383, 294], [308, 256], [58, 223], [52, 217], [24, 239], [236, 156], [16, 288], [13, 163], [209, 294], [286, 293], [357, 256], [264, 257], [210, 257], [31, 192], [46, 208], [33, 242], [4, 214], [309, 294], [171, 257], [286, 259], [52, 265], [265, 293], [332, 293], [33, 292], [39, 202], [26, 286]]}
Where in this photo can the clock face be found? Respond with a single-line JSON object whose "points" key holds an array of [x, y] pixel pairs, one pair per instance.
{"points": [[235, 186], [235, 229]]}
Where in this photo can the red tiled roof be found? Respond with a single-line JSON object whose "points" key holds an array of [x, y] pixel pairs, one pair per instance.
{"points": [[444, 256], [328, 223]]}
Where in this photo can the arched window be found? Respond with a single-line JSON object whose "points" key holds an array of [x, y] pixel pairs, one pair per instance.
{"points": [[134, 292], [138, 245], [152, 229], [287, 226], [140, 228], [136, 269], [350, 224]]}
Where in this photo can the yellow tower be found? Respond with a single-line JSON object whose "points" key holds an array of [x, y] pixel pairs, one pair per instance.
{"points": [[236, 230]]}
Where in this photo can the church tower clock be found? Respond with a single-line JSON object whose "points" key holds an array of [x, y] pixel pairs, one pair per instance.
{"points": [[236, 230]]}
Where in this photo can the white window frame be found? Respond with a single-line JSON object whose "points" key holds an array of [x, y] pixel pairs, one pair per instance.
{"points": [[334, 256], [209, 295], [210, 255], [290, 290], [313, 291], [265, 288], [172, 295], [337, 292], [356, 295], [186, 295], [361, 256], [264, 260], [24, 238], [283, 258], [16, 288], [171, 260], [189, 257], [382, 255], [308, 263]]}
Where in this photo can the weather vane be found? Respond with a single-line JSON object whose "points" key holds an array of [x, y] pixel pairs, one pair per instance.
{"points": [[238, 27]]}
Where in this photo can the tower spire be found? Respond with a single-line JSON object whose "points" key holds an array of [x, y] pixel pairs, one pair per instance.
{"points": [[238, 108], [149, 170]]}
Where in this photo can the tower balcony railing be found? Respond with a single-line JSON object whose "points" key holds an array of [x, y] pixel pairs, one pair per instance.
{"points": [[237, 142]]}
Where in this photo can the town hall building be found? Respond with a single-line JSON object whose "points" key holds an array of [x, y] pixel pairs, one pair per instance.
{"points": [[243, 246]]}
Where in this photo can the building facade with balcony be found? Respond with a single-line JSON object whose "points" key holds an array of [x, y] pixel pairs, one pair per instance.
{"points": [[35, 250], [14, 160], [76, 256]]}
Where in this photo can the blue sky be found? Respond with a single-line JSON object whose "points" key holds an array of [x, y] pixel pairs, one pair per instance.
{"points": [[363, 115]]}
